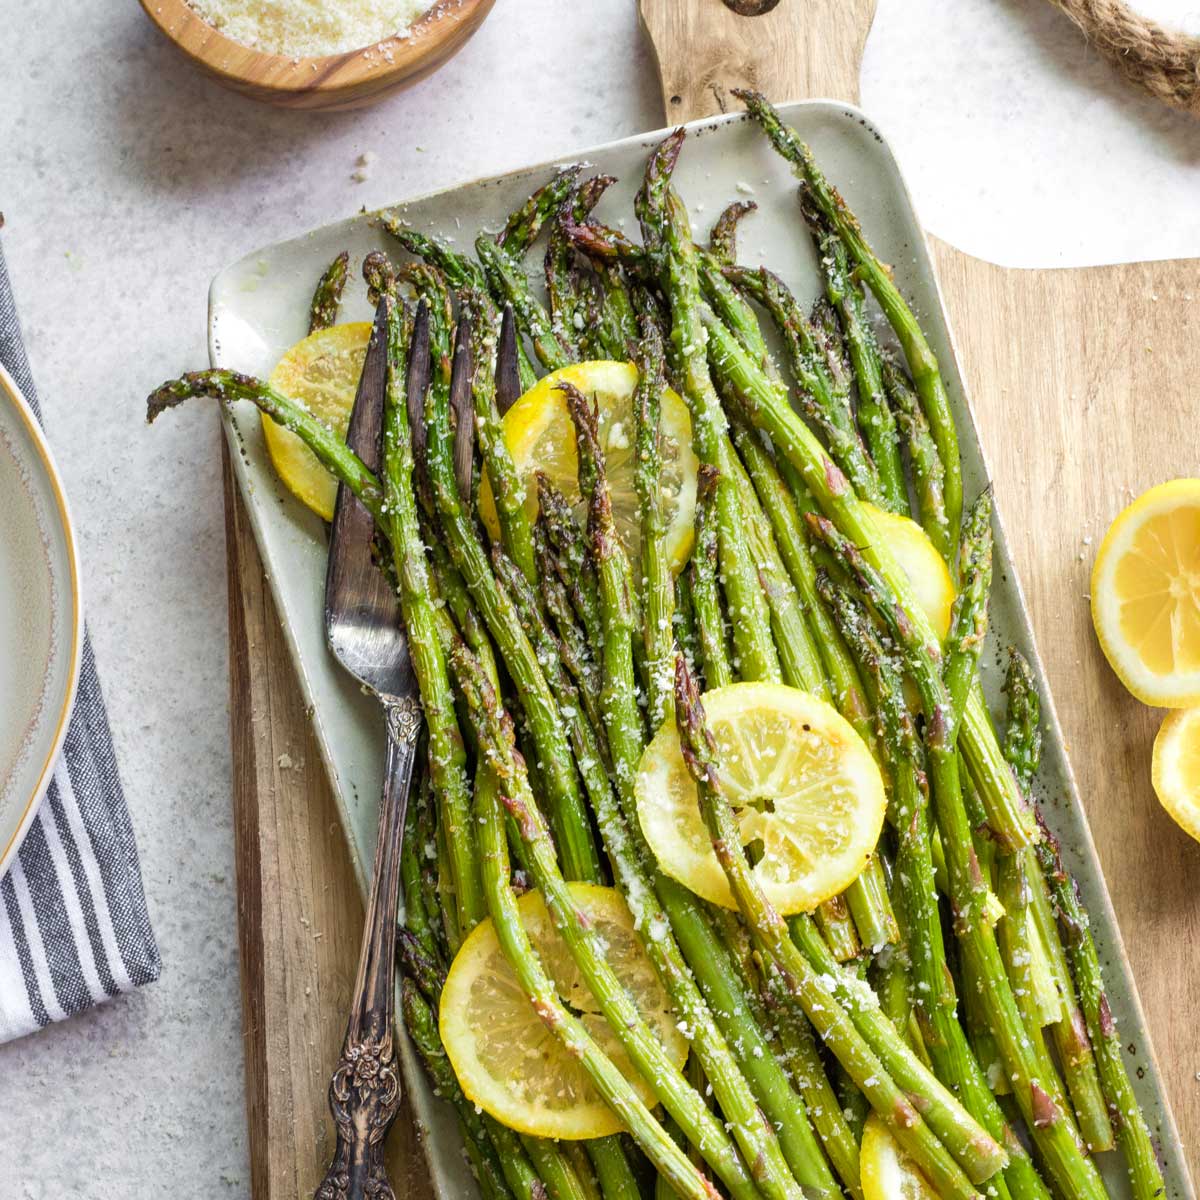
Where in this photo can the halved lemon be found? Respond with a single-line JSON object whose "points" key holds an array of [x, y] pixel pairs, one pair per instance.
{"points": [[919, 559], [507, 1060], [541, 436], [1146, 595], [887, 1172], [1176, 768], [321, 372], [805, 789]]}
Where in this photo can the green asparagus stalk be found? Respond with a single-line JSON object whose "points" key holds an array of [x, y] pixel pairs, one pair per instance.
{"points": [[625, 738], [922, 363], [227, 386], [668, 1159], [801, 980], [927, 473], [722, 239], [1009, 819], [823, 402], [1130, 1126], [447, 757], [658, 590], [874, 413], [574, 566], [711, 634], [571, 824], [665, 220], [508, 489], [522, 227], [510, 285], [327, 298], [1022, 746], [1072, 1171], [564, 283]]}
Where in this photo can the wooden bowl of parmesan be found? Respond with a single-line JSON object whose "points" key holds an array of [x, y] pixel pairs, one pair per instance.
{"points": [[323, 54]]}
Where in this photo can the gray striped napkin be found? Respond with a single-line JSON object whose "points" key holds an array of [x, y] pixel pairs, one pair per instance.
{"points": [[74, 929]]}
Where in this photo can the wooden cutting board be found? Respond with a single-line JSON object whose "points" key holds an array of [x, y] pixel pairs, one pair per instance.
{"points": [[1084, 386]]}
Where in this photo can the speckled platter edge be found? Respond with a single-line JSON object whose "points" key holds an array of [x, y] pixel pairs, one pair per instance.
{"points": [[258, 307]]}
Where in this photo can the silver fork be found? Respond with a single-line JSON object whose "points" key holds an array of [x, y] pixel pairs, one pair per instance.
{"points": [[366, 635]]}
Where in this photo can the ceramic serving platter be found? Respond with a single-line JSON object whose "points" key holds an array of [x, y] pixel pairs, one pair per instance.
{"points": [[41, 619], [258, 307]]}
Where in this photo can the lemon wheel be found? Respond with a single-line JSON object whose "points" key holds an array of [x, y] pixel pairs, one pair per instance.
{"points": [[919, 559], [507, 1061], [1176, 768], [540, 436], [887, 1173], [1146, 595], [320, 372], [805, 790]]}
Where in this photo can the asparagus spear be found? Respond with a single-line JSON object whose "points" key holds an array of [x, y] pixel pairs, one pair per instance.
{"points": [[801, 980], [922, 363], [323, 311], [522, 227], [509, 284], [447, 759], [823, 402], [874, 414], [1022, 746], [508, 489], [927, 472], [1132, 1134], [1009, 820], [564, 283], [722, 239], [934, 992], [668, 1159], [625, 738], [572, 827], [574, 567], [658, 608], [665, 222], [1073, 1172], [711, 634]]}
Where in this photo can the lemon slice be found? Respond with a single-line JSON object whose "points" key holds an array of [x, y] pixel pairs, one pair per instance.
{"points": [[887, 1173], [541, 436], [1176, 768], [806, 792], [320, 372], [1146, 595], [919, 559], [507, 1060]]}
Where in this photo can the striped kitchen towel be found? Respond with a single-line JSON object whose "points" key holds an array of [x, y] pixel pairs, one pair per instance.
{"points": [[74, 929]]}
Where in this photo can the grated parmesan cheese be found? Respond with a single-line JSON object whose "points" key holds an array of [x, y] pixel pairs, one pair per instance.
{"points": [[310, 28]]}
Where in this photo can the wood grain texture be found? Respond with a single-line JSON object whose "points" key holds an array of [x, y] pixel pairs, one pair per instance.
{"points": [[1083, 383], [335, 81], [299, 910]]}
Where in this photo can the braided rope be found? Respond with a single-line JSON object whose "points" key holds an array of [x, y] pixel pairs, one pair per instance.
{"points": [[1162, 62]]}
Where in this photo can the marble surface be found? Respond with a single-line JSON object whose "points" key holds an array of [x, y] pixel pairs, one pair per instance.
{"points": [[126, 183], [1021, 145]]}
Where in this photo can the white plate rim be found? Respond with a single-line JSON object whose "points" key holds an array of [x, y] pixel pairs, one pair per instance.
{"points": [[24, 410]]}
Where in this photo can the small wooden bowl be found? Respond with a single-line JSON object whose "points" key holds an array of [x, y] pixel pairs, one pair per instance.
{"points": [[350, 80]]}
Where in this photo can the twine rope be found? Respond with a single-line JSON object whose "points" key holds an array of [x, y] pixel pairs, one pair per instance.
{"points": [[1160, 61]]}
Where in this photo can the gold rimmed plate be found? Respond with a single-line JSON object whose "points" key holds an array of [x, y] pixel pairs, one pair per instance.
{"points": [[41, 616]]}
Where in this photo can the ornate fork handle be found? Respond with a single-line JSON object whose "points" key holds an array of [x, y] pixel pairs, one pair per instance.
{"points": [[364, 1093]]}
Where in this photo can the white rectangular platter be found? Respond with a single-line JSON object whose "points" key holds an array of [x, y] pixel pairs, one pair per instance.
{"points": [[259, 306]]}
